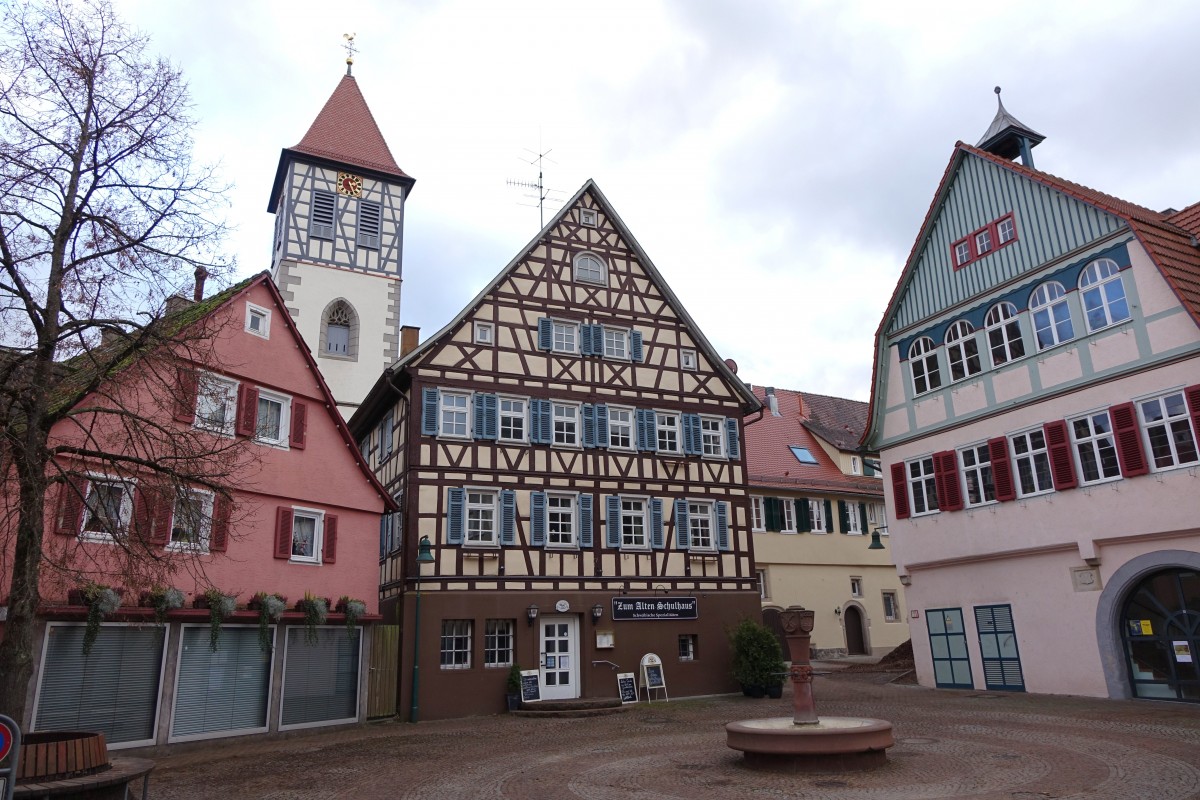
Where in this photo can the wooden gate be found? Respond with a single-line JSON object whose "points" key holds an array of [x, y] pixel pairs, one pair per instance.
{"points": [[385, 666]]}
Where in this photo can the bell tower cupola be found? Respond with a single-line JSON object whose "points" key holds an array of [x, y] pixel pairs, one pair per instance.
{"points": [[1008, 137]]}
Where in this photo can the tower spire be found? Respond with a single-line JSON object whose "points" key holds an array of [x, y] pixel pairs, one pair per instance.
{"points": [[1008, 137], [350, 50]]}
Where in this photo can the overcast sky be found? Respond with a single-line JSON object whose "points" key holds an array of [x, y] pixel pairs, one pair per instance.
{"points": [[774, 159]]}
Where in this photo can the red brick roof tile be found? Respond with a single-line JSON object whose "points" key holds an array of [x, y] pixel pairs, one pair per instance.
{"points": [[346, 131]]}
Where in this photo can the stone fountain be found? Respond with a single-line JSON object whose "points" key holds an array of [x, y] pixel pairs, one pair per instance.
{"points": [[806, 742]]}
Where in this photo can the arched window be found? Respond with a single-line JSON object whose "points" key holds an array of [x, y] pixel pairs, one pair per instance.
{"points": [[589, 268], [1103, 294], [963, 350], [922, 359], [1051, 315], [339, 331], [1003, 331]]}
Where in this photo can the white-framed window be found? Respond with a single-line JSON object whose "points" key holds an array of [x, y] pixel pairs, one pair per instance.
{"points": [[757, 514], [565, 417], [1003, 331], [687, 647], [454, 414], [856, 586], [258, 320], [481, 517], [498, 638], [1168, 430], [616, 343], [560, 520], [762, 584], [513, 415], [855, 465], [712, 438], [876, 514], [891, 607], [700, 525], [216, 403], [456, 644], [633, 523], [667, 431], [816, 516], [620, 428], [983, 241], [1006, 230], [976, 464], [485, 333], [922, 359], [107, 508], [962, 252], [1051, 315], [589, 268], [1103, 294], [922, 486], [787, 509], [565, 336], [687, 359], [587, 216], [962, 348], [853, 518], [274, 416], [1032, 461], [191, 520], [308, 527], [1095, 450]]}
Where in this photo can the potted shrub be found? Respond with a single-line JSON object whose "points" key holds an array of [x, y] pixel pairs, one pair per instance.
{"points": [[315, 610], [162, 600], [353, 609], [513, 687], [269, 608], [757, 660], [101, 601]]}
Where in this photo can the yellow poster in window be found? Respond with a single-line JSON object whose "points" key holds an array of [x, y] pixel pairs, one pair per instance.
{"points": [[1147, 628]]}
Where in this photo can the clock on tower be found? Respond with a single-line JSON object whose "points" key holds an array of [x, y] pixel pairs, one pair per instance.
{"points": [[349, 185]]}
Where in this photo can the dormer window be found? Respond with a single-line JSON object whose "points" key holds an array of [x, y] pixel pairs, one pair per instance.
{"points": [[589, 269]]}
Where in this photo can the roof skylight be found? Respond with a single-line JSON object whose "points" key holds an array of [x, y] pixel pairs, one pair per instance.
{"points": [[802, 454]]}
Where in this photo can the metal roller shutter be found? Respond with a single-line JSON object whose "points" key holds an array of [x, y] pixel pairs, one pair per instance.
{"points": [[225, 691], [320, 681]]}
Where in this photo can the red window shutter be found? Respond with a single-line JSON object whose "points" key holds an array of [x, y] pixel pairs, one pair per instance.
{"points": [[247, 415], [329, 547], [70, 506], [162, 510], [283, 532], [148, 522], [185, 400], [1002, 474], [218, 540], [1192, 393], [1128, 437], [299, 424], [945, 474], [1058, 447], [900, 492]]}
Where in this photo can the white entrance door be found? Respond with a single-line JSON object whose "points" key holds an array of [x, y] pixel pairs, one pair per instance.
{"points": [[560, 662]]}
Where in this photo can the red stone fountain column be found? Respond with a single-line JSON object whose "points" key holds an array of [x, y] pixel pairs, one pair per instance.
{"points": [[797, 626]]}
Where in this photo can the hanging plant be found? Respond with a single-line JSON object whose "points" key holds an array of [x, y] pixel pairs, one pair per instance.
{"points": [[269, 607], [100, 601], [220, 606], [353, 609], [316, 610], [162, 600]]}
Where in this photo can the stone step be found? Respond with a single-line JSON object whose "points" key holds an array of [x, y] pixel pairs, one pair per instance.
{"points": [[582, 707]]}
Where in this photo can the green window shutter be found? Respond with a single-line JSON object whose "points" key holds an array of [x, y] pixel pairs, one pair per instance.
{"points": [[829, 517], [843, 516], [773, 514], [803, 515], [862, 517]]}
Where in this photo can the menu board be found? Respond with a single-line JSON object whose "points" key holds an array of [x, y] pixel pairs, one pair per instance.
{"points": [[627, 686], [531, 687]]}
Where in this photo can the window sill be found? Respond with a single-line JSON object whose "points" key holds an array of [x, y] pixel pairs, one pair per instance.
{"points": [[704, 555], [183, 547], [304, 562], [336, 357], [477, 551]]}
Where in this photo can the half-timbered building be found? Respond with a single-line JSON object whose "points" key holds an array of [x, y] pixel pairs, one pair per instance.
{"points": [[570, 448]]}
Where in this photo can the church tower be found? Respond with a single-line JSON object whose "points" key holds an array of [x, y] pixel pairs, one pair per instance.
{"points": [[338, 200]]}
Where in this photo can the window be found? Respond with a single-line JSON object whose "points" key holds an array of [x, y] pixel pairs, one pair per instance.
{"points": [[339, 331], [565, 337], [485, 333], [258, 321], [876, 514], [757, 518], [855, 465], [616, 343], [687, 359], [271, 427], [498, 643], [1094, 447], [216, 403], [983, 242], [853, 518], [1033, 463], [620, 428], [962, 252], [816, 515], [712, 440], [687, 647], [700, 526], [803, 454], [1006, 230], [384, 432], [976, 463], [1051, 316], [1169, 431], [891, 607], [787, 513], [566, 424], [560, 520], [456, 644], [369, 216], [922, 359], [762, 584], [481, 517], [1004, 334], [963, 350], [1103, 294], [320, 225], [587, 217], [922, 486], [337, 339], [191, 520], [667, 428], [306, 535], [454, 418], [512, 419], [108, 508], [633, 523], [856, 587], [589, 268]]}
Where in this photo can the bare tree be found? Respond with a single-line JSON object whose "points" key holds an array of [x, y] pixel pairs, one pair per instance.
{"points": [[103, 216]]}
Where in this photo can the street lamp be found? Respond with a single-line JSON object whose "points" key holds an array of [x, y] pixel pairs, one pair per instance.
{"points": [[424, 556], [876, 544]]}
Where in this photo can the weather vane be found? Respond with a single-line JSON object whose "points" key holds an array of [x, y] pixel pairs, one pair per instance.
{"points": [[350, 50]]}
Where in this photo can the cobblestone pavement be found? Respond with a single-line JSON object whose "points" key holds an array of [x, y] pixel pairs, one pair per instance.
{"points": [[949, 744]]}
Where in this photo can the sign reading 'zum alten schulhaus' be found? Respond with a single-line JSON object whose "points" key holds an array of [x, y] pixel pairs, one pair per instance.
{"points": [[635, 608]]}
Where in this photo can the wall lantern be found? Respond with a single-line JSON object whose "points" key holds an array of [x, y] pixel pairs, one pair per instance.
{"points": [[424, 551], [597, 613], [876, 543], [531, 613]]}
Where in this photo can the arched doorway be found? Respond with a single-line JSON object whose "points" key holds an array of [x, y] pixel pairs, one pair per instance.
{"points": [[856, 636], [1161, 635]]}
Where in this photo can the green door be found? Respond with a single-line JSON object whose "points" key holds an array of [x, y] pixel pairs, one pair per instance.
{"points": [[948, 644], [998, 648]]}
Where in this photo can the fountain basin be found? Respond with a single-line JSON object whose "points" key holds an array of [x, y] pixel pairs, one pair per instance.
{"points": [[832, 744]]}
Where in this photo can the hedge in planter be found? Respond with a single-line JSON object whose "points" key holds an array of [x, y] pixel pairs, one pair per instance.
{"points": [[757, 659]]}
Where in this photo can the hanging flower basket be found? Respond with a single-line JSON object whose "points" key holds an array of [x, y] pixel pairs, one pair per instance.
{"points": [[100, 601], [220, 606], [353, 609], [162, 600], [269, 608], [315, 610]]}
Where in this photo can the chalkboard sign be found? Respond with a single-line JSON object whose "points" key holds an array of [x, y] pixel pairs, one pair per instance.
{"points": [[531, 687], [654, 676], [627, 686]]}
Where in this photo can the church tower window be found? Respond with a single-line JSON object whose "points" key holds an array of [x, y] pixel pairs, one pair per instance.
{"points": [[321, 224], [339, 331]]}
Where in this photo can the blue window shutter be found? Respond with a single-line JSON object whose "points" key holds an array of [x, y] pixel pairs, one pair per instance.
{"points": [[545, 334], [612, 521], [691, 434], [732, 441], [383, 534], [588, 412], [598, 339], [657, 540], [647, 437], [429, 411], [491, 424], [477, 402], [601, 425], [546, 423], [635, 345], [535, 433], [454, 516], [723, 526], [682, 534], [537, 519], [508, 516], [585, 520], [585, 340]]}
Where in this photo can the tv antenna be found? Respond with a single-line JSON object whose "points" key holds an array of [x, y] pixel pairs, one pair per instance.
{"points": [[542, 192]]}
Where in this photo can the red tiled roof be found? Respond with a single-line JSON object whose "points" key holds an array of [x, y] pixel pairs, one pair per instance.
{"points": [[769, 462], [345, 131]]}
